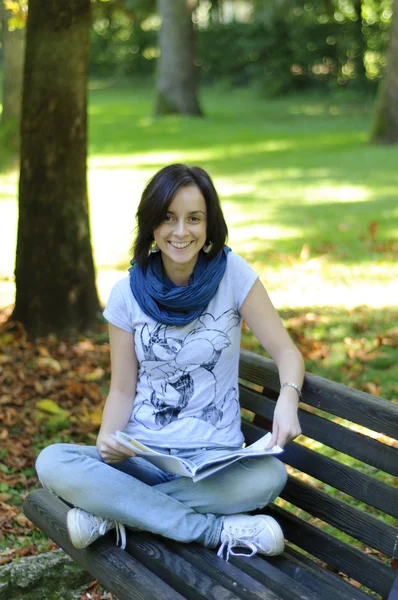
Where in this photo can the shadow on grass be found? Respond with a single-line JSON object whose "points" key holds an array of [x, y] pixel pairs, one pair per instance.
{"points": [[348, 232]]}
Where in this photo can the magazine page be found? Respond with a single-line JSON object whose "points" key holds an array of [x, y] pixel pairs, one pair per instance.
{"points": [[210, 469], [166, 462], [221, 457], [199, 466]]}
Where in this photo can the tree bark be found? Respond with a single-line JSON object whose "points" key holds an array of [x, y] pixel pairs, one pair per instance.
{"points": [[360, 57], [13, 60], [176, 76], [55, 277], [385, 125], [215, 11]]}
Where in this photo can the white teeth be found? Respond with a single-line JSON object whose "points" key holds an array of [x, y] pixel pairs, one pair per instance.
{"points": [[180, 244]]}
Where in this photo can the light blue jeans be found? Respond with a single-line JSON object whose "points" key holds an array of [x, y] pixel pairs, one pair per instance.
{"points": [[141, 496]]}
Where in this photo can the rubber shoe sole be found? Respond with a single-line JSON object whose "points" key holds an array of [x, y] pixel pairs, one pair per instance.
{"points": [[74, 532], [276, 533]]}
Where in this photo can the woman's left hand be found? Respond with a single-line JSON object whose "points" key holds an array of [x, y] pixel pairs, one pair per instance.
{"points": [[286, 425]]}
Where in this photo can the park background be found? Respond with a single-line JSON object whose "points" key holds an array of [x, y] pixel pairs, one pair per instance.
{"points": [[285, 96]]}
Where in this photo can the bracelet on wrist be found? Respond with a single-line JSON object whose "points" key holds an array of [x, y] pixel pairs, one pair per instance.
{"points": [[293, 385]]}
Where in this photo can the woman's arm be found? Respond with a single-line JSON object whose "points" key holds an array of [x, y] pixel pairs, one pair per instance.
{"points": [[119, 403], [263, 320]]}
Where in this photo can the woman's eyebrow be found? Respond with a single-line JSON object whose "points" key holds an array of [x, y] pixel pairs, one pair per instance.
{"points": [[192, 212]]}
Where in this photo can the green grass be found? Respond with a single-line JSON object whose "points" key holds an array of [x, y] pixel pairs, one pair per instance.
{"points": [[290, 172]]}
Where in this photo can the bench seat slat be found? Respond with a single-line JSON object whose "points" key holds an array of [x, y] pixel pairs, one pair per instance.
{"points": [[292, 563], [270, 576], [337, 399], [324, 576], [115, 569], [356, 523], [186, 578], [369, 571], [312, 580], [330, 471], [331, 434], [222, 571]]}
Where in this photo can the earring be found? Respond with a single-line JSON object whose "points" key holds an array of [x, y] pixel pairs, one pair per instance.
{"points": [[154, 247], [207, 247]]}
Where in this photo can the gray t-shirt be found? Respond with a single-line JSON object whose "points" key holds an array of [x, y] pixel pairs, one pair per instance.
{"points": [[187, 389]]}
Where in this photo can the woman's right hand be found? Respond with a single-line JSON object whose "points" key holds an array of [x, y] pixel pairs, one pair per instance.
{"points": [[112, 452], [119, 403]]}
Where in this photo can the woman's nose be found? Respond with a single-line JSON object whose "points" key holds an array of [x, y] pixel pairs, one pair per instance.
{"points": [[180, 227]]}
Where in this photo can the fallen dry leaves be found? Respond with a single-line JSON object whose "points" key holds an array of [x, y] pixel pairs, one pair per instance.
{"points": [[50, 389], [95, 592]]}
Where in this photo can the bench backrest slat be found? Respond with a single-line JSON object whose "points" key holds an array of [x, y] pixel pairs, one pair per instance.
{"points": [[341, 515], [334, 473], [362, 567], [353, 443], [337, 399], [259, 389]]}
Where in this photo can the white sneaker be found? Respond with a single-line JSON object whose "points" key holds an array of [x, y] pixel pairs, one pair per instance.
{"points": [[84, 528], [259, 533]]}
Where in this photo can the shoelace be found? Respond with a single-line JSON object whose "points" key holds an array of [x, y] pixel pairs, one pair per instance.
{"points": [[120, 535], [120, 531], [230, 542]]}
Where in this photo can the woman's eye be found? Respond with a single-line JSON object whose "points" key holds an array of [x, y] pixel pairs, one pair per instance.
{"points": [[168, 218], [195, 219]]}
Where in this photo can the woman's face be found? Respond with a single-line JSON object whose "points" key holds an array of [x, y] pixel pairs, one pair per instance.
{"points": [[183, 232]]}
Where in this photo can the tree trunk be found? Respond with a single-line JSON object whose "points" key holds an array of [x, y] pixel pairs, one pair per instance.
{"points": [[13, 60], [385, 125], [360, 57], [176, 76], [215, 11], [55, 277]]}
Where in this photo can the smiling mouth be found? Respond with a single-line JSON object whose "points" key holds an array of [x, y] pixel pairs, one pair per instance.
{"points": [[180, 245]]}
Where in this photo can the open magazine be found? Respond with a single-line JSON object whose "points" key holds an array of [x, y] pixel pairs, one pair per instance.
{"points": [[201, 466]]}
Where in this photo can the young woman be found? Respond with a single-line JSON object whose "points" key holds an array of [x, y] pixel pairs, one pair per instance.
{"points": [[174, 326]]}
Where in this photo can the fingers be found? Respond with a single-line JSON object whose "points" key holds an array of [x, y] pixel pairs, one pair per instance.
{"points": [[112, 452], [285, 435], [282, 435], [286, 424], [274, 437]]}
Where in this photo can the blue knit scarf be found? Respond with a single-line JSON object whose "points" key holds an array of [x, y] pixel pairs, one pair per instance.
{"points": [[176, 305]]}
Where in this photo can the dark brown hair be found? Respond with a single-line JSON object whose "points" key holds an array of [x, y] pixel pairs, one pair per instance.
{"points": [[159, 194]]}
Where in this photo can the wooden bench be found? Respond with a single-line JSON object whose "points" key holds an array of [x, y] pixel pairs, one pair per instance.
{"points": [[316, 564]]}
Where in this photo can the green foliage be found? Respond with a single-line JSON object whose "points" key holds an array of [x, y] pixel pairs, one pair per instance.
{"points": [[17, 12], [121, 42], [299, 45], [287, 46]]}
